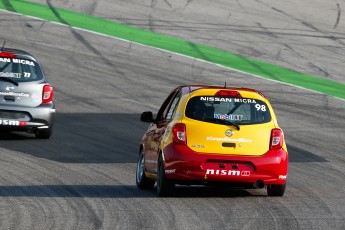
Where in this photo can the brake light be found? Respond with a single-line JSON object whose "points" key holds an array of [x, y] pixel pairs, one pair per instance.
{"points": [[48, 93], [228, 93], [277, 139], [7, 54], [179, 134]]}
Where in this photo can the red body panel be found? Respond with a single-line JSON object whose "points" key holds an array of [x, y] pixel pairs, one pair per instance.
{"points": [[184, 164]]}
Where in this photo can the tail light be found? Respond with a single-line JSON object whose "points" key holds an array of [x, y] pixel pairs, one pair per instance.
{"points": [[179, 134], [7, 54], [48, 93], [227, 93], [277, 139]]}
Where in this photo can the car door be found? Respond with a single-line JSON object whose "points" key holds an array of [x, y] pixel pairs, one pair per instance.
{"points": [[157, 130]]}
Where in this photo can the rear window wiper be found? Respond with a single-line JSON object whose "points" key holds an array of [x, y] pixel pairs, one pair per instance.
{"points": [[9, 80], [222, 122]]}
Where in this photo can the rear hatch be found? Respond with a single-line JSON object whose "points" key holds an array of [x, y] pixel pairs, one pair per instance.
{"points": [[228, 125], [23, 95], [21, 82]]}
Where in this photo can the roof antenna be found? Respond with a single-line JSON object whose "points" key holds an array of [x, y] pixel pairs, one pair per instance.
{"points": [[225, 85], [3, 46]]}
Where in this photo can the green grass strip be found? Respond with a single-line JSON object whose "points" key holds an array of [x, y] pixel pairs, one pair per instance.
{"points": [[221, 57]]}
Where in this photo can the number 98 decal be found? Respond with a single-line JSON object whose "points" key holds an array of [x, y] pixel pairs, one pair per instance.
{"points": [[260, 107]]}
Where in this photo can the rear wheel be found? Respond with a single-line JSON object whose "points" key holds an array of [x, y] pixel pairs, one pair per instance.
{"points": [[141, 180], [164, 186], [276, 189]]}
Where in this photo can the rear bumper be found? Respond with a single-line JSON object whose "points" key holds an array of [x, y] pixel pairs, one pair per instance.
{"points": [[184, 166], [25, 118]]}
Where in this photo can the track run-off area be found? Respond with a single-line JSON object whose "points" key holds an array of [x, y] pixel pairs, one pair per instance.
{"points": [[84, 176]]}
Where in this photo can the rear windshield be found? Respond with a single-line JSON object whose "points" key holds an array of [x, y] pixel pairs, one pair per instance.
{"points": [[241, 111], [20, 70]]}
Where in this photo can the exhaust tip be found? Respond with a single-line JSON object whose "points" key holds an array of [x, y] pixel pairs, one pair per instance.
{"points": [[35, 131], [259, 184], [32, 131]]}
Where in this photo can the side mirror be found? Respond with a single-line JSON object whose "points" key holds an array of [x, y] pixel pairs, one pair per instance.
{"points": [[147, 117]]}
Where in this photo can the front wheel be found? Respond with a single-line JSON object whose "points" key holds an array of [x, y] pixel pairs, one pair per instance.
{"points": [[164, 186], [141, 180], [276, 189]]}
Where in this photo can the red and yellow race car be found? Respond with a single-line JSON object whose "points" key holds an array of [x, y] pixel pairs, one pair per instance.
{"points": [[213, 135]]}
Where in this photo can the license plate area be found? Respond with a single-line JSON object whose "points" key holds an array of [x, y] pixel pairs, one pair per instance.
{"points": [[14, 115]]}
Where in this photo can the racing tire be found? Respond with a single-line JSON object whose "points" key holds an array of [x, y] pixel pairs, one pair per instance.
{"points": [[141, 180], [276, 189], [164, 186], [45, 133]]}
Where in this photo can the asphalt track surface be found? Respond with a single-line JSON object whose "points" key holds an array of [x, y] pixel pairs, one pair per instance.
{"points": [[84, 176]]}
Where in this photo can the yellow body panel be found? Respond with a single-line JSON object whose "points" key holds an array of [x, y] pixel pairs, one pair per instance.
{"points": [[212, 138]]}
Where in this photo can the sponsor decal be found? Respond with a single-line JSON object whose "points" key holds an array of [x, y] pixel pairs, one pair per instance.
{"points": [[244, 100], [227, 139], [245, 173], [229, 117], [216, 99], [227, 99], [12, 122], [10, 75], [225, 172], [170, 171], [282, 177], [21, 61], [8, 88], [198, 146], [5, 59], [17, 60], [14, 94]]}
